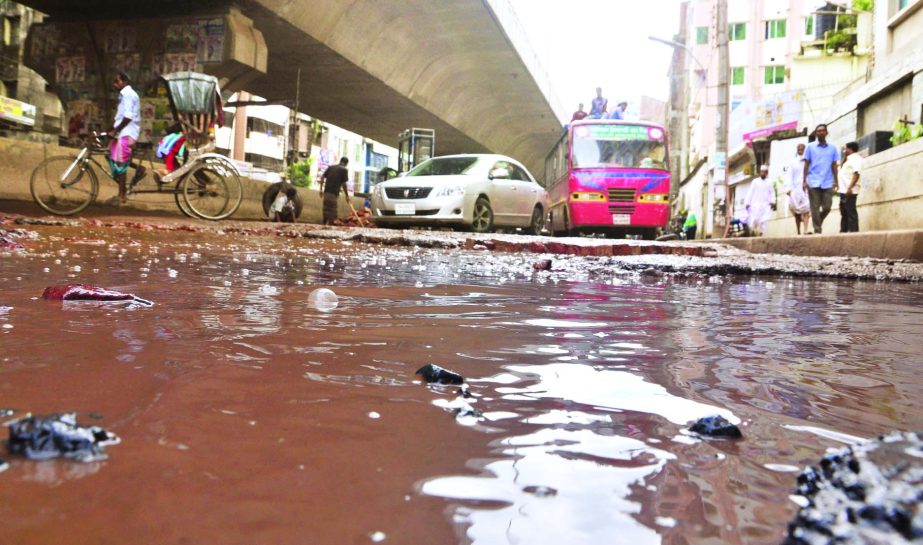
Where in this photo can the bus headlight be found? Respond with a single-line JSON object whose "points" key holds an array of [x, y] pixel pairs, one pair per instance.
{"points": [[658, 198], [587, 196]]}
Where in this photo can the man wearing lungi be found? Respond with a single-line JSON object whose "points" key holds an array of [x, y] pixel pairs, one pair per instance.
{"points": [[125, 131], [334, 178]]}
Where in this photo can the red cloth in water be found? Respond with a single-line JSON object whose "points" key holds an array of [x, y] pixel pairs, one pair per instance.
{"points": [[84, 292]]}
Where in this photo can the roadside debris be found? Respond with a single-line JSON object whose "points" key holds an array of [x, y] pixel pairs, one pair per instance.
{"points": [[870, 492], [323, 299], [86, 292], [42, 438], [715, 426], [432, 373], [542, 265]]}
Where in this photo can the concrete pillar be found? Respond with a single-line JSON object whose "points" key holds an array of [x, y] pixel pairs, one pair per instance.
{"points": [[238, 151]]}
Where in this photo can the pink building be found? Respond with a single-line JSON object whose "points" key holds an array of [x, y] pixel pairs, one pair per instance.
{"points": [[764, 36]]}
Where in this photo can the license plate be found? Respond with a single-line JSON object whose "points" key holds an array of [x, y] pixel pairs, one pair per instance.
{"points": [[621, 219], [405, 209]]}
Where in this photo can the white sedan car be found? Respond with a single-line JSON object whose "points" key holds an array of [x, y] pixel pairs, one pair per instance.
{"points": [[477, 191]]}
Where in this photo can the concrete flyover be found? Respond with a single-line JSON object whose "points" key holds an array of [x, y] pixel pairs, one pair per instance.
{"points": [[377, 67]]}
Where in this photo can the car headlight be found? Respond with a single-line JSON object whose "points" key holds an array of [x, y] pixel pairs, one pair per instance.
{"points": [[376, 190], [449, 190]]}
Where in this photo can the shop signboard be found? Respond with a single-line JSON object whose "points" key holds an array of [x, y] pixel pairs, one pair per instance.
{"points": [[752, 120], [17, 112]]}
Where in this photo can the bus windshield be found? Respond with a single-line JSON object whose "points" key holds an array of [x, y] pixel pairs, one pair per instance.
{"points": [[444, 166], [624, 146]]}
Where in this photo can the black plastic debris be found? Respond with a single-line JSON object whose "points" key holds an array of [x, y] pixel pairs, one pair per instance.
{"points": [[870, 492], [434, 374], [542, 265], [59, 435], [715, 426]]}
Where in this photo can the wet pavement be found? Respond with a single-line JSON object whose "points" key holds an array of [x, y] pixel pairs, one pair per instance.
{"points": [[248, 415]]}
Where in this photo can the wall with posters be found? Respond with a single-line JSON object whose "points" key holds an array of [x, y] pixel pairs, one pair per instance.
{"points": [[81, 59]]}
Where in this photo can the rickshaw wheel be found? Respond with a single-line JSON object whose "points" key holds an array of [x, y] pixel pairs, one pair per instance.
{"points": [[212, 190]]}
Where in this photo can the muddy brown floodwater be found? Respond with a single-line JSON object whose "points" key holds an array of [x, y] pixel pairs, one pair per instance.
{"points": [[247, 416]]}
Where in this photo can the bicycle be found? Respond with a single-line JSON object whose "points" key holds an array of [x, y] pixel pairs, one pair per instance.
{"points": [[207, 186]]}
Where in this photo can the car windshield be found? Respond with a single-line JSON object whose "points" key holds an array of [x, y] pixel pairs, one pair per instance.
{"points": [[625, 146], [444, 166]]}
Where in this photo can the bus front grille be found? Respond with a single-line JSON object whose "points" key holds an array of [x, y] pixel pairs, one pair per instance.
{"points": [[621, 209], [621, 195]]}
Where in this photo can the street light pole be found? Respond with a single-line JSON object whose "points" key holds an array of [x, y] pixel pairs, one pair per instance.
{"points": [[721, 136], [682, 46]]}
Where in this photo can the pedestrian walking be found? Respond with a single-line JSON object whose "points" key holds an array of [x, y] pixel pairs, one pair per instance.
{"points": [[334, 178], [848, 188], [798, 203], [690, 226], [761, 201], [821, 160]]}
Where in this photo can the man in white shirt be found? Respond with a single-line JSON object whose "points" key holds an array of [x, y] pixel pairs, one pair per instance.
{"points": [[798, 203], [761, 201], [848, 188], [126, 128]]}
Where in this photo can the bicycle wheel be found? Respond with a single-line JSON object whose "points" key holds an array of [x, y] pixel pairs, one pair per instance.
{"points": [[60, 189], [212, 190]]}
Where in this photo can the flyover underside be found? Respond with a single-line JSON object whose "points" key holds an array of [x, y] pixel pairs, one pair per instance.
{"points": [[337, 91], [377, 67]]}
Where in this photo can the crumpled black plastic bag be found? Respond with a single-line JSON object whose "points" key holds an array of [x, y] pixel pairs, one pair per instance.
{"points": [[58, 435]]}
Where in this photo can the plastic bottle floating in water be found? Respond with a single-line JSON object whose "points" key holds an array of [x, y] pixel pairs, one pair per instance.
{"points": [[323, 299]]}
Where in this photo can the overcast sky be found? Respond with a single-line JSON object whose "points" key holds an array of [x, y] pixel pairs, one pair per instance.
{"points": [[584, 44]]}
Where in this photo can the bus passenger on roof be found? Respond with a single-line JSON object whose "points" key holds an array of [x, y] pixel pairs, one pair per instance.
{"points": [[599, 105], [619, 111]]}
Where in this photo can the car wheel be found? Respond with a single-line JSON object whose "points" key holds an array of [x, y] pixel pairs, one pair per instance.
{"points": [[483, 220], [538, 221]]}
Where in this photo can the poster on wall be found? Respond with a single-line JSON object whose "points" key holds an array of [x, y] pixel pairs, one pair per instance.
{"points": [[211, 40], [179, 62], [70, 70], [130, 63], [182, 37], [45, 40], [119, 39]]}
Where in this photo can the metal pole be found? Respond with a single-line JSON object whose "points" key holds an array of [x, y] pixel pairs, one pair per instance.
{"points": [[721, 137]]}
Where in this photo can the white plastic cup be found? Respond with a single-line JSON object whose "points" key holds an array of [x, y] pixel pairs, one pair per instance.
{"points": [[323, 299]]}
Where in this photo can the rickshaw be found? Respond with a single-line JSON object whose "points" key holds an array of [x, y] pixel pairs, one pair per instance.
{"points": [[207, 184]]}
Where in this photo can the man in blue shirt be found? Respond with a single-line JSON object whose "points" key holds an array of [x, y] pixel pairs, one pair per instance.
{"points": [[598, 106], [619, 111], [820, 174]]}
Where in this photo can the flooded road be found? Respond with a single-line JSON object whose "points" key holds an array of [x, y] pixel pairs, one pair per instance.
{"points": [[246, 415]]}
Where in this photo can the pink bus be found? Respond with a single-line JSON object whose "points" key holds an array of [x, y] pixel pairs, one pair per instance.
{"points": [[609, 176]]}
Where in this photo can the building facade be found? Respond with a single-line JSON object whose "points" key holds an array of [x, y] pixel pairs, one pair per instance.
{"points": [[787, 62]]}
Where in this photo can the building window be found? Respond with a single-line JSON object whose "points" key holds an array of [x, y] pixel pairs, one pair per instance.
{"points": [[737, 75], [809, 25], [701, 35], [737, 31], [901, 4], [774, 75], [775, 29]]}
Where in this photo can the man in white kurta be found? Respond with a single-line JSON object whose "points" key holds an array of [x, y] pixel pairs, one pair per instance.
{"points": [[761, 201], [798, 203]]}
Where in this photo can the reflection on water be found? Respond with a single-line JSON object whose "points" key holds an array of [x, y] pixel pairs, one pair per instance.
{"points": [[276, 422]]}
